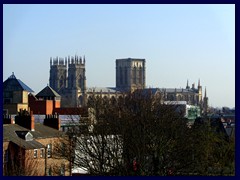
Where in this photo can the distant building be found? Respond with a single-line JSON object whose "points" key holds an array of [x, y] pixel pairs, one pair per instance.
{"points": [[68, 79], [45, 102], [15, 95], [130, 76]]}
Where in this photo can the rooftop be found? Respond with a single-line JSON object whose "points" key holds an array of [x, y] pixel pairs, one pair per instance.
{"points": [[47, 92], [14, 84], [13, 133]]}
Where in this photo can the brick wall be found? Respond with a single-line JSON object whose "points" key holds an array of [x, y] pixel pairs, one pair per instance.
{"points": [[52, 161], [42, 106], [38, 106], [25, 120]]}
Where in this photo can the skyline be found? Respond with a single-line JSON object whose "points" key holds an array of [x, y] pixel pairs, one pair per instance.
{"points": [[179, 43]]}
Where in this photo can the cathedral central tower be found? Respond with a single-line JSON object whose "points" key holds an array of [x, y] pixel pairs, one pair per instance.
{"points": [[130, 74]]}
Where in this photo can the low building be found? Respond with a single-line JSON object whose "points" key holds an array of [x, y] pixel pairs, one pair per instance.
{"points": [[28, 147], [45, 102], [15, 95]]}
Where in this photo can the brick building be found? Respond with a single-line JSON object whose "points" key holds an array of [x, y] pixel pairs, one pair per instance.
{"points": [[45, 102], [28, 147]]}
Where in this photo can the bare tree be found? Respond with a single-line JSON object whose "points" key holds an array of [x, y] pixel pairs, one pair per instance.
{"points": [[139, 135], [22, 163]]}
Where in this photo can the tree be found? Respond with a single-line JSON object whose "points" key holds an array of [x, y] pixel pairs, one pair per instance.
{"points": [[21, 163], [137, 134]]}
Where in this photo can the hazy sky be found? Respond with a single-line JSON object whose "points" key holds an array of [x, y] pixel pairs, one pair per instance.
{"points": [[179, 42]]}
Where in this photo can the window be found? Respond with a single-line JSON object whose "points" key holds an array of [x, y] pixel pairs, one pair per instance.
{"points": [[6, 156], [42, 152], [35, 153], [49, 171], [7, 101], [63, 147], [49, 150], [62, 170]]}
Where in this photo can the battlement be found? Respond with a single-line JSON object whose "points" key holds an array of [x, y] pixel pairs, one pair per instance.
{"points": [[68, 60]]}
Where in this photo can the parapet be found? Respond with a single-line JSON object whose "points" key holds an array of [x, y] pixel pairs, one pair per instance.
{"points": [[68, 60]]}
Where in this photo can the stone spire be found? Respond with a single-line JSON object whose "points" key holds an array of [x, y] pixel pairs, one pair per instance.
{"points": [[205, 94], [187, 87]]}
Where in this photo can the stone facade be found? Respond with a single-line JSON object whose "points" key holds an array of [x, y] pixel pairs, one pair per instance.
{"points": [[130, 74], [69, 80]]}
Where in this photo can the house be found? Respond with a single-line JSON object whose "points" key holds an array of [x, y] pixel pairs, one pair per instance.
{"points": [[28, 147]]}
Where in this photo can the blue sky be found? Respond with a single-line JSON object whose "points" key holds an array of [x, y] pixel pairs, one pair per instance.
{"points": [[179, 42]]}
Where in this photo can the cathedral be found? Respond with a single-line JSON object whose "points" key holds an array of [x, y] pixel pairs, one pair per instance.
{"points": [[67, 77]]}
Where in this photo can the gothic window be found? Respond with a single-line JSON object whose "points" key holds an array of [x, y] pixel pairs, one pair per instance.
{"points": [[137, 75], [71, 80], [171, 97], [121, 75], [134, 75], [126, 75], [140, 75], [61, 82], [80, 100], [80, 81]]}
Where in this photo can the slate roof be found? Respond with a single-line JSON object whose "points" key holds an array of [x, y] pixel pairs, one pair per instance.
{"points": [[178, 90], [15, 84], [103, 89], [47, 92], [41, 132], [146, 91]]}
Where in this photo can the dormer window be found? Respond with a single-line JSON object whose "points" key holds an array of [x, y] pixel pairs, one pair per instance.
{"points": [[26, 135]]}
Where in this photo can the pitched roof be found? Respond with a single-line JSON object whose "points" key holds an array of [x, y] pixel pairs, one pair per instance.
{"points": [[14, 84], [103, 89], [47, 92], [177, 90], [10, 133]]}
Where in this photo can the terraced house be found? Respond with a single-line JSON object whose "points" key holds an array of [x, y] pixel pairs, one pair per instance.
{"points": [[28, 147]]}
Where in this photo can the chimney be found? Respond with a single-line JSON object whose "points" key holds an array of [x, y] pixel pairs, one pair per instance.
{"points": [[32, 121], [25, 120], [52, 121]]}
